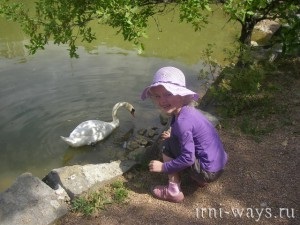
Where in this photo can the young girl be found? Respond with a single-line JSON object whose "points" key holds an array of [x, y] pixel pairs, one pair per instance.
{"points": [[193, 142]]}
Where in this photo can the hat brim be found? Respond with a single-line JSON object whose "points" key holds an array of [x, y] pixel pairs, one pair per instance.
{"points": [[172, 88]]}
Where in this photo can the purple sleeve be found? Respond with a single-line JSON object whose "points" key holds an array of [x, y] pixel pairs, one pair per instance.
{"points": [[187, 156]]}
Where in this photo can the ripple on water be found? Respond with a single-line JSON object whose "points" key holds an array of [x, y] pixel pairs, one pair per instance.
{"points": [[44, 99]]}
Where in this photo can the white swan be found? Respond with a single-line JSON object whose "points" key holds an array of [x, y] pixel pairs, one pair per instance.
{"points": [[91, 131]]}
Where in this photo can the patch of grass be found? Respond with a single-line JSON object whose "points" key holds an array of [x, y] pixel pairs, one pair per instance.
{"points": [[93, 202], [82, 205], [120, 193]]}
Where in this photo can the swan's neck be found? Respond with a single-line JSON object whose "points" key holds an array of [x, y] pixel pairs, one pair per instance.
{"points": [[115, 110], [115, 123]]}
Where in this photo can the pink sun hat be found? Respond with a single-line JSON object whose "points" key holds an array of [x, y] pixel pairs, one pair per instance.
{"points": [[173, 81]]}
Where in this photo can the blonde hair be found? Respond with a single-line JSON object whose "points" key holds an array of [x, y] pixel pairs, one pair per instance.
{"points": [[189, 100]]}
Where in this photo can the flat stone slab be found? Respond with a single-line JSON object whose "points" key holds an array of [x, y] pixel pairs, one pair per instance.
{"points": [[29, 201], [79, 179]]}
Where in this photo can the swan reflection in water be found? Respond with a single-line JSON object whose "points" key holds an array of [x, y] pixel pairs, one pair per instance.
{"points": [[91, 131]]}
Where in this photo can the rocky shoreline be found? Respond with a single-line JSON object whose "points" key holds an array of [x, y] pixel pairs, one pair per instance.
{"points": [[34, 201]]}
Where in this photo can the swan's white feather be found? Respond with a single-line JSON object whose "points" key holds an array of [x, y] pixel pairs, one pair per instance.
{"points": [[91, 131]]}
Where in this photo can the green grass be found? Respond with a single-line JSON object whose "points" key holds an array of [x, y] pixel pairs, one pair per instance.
{"points": [[120, 193], [115, 193]]}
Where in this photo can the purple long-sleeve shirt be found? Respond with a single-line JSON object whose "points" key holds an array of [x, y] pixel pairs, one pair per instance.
{"points": [[198, 139]]}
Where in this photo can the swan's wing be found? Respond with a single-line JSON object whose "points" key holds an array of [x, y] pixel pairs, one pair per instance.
{"points": [[92, 130]]}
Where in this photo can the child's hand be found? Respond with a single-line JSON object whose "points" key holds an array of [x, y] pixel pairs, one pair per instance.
{"points": [[155, 166], [165, 135]]}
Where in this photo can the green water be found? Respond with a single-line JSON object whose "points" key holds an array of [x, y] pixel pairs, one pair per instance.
{"points": [[171, 39], [46, 95], [167, 38]]}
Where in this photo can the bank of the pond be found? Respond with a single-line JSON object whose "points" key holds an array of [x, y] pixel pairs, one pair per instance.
{"points": [[44, 96], [260, 184], [31, 201]]}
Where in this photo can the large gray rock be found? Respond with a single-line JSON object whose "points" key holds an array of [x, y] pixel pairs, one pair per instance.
{"points": [[79, 179], [29, 201]]}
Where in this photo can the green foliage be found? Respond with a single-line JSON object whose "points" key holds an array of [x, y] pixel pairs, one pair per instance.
{"points": [[257, 10], [240, 10], [62, 20], [249, 13], [240, 87], [210, 69], [252, 95], [127, 16], [65, 21], [192, 11], [239, 90], [91, 203], [290, 35]]}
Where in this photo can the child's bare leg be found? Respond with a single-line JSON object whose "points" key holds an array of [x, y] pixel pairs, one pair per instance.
{"points": [[172, 191], [174, 177]]}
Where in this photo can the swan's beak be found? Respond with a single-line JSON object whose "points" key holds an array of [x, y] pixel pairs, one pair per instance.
{"points": [[132, 112]]}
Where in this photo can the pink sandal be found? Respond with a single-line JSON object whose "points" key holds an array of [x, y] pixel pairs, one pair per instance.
{"points": [[162, 192]]}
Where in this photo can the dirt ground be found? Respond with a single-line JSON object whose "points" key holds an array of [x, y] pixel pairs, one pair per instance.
{"points": [[259, 186]]}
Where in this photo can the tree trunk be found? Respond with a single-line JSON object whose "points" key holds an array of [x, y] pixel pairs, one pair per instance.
{"points": [[246, 32], [245, 38]]}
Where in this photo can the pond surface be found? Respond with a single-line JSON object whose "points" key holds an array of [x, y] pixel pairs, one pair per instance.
{"points": [[48, 94]]}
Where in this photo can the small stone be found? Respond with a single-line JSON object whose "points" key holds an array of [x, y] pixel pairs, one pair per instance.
{"points": [[142, 131], [141, 140], [129, 176], [132, 145], [284, 143], [263, 204], [144, 142], [151, 133]]}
